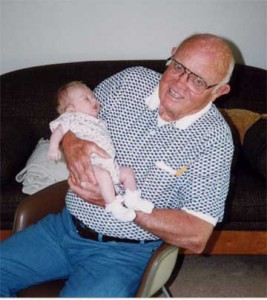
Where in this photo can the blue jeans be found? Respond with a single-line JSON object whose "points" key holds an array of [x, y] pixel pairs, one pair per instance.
{"points": [[52, 249]]}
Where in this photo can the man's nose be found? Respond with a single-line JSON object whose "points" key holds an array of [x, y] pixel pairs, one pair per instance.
{"points": [[182, 79]]}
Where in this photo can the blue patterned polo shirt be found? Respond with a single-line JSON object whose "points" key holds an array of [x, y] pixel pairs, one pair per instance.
{"points": [[183, 165]]}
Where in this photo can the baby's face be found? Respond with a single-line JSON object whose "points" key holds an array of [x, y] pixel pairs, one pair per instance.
{"points": [[82, 99]]}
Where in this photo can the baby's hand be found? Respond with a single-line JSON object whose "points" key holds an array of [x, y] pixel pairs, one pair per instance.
{"points": [[54, 154]]}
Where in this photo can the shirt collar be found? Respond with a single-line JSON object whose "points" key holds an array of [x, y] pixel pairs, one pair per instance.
{"points": [[153, 101]]}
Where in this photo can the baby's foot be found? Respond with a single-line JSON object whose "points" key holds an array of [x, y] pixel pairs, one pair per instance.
{"points": [[133, 200], [120, 212]]}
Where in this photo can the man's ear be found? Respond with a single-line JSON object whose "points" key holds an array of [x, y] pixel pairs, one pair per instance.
{"points": [[222, 90], [174, 49]]}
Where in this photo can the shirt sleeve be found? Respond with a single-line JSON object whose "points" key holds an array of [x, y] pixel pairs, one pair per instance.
{"points": [[107, 92], [206, 190], [112, 92]]}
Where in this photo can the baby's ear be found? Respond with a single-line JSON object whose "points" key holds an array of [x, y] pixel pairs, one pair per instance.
{"points": [[69, 109]]}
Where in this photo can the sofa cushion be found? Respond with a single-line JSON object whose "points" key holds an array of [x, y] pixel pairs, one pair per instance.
{"points": [[41, 172], [254, 146], [246, 204], [236, 138], [240, 119]]}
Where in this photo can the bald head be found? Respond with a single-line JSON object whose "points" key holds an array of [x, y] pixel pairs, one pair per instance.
{"points": [[214, 47]]}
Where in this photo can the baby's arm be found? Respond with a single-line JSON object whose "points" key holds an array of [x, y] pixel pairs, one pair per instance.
{"points": [[55, 139]]}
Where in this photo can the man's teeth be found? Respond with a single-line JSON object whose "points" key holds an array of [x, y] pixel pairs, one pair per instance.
{"points": [[174, 94]]}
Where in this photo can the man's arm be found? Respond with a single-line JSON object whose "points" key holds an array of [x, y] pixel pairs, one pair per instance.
{"points": [[173, 226], [77, 154], [177, 227]]}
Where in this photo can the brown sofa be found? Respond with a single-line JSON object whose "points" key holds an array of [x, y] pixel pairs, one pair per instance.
{"points": [[27, 106]]}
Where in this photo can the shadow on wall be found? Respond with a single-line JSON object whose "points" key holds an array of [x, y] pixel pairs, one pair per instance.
{"points": [[239, 59]]}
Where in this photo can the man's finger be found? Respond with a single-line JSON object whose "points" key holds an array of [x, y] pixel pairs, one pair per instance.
{"points": [[99, 151], [87, 172], [86, 185], [89, 196]]}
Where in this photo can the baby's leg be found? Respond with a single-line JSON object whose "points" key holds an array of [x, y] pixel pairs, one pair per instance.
{"points": [[132, 197], [127, 178], [105, 183], [113, 202]]}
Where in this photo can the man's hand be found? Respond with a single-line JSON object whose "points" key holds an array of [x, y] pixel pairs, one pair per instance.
{"points": [[77, 154], [88, 192]]}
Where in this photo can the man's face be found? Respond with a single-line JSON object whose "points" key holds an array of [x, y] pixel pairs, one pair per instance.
{"points": [[176, 99]]}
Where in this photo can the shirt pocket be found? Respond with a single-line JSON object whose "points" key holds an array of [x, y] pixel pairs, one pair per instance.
{"points": [[164, 181]]}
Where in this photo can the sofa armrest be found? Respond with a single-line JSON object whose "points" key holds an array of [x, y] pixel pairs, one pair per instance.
{"points": [[35, 207], [17, 144]]}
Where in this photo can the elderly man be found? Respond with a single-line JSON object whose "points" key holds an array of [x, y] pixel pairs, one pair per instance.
{"points": [[168, 130]]}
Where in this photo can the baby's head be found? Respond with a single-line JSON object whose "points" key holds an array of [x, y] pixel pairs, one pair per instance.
{"points": [[75, 96]]}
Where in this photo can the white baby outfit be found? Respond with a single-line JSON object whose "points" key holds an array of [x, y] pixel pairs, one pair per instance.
{"points": [[91, 129], [95, 130]]}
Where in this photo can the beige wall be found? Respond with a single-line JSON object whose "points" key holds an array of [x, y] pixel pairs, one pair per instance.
{"points": [[35, 32]]}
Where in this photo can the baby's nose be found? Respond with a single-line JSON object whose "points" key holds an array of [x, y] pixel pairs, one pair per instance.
{"points": [[96, 104]]}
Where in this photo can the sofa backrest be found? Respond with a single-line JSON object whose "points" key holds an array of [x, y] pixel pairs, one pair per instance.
{"points": [[29, 94]]}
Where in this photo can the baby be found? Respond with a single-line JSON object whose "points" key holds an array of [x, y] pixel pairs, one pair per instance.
{"points": [[78, 109]]}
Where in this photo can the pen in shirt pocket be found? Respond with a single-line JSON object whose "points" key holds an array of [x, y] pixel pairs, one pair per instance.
{"points": [[161, 165]]}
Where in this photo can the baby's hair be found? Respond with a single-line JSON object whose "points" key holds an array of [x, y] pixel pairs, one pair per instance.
{"points": [[61, 93]]}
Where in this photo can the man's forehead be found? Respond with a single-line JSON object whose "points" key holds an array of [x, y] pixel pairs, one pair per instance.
{"points": [[212, 54], [204, 64]]}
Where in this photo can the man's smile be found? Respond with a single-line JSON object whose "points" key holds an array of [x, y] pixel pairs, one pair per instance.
{"points": [[175, 95]]}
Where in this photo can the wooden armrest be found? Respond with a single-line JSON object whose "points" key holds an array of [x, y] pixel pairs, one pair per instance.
{"points": [[35, 207]]}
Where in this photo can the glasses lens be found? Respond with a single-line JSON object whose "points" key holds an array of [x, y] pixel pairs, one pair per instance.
{"points": [[178, 67], [196, 84]]}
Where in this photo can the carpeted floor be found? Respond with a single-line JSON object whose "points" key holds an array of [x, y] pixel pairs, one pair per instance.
{"points": [[221, 276]]}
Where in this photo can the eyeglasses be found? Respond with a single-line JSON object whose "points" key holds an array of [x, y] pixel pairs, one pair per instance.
{"points": [[196, 84]]}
